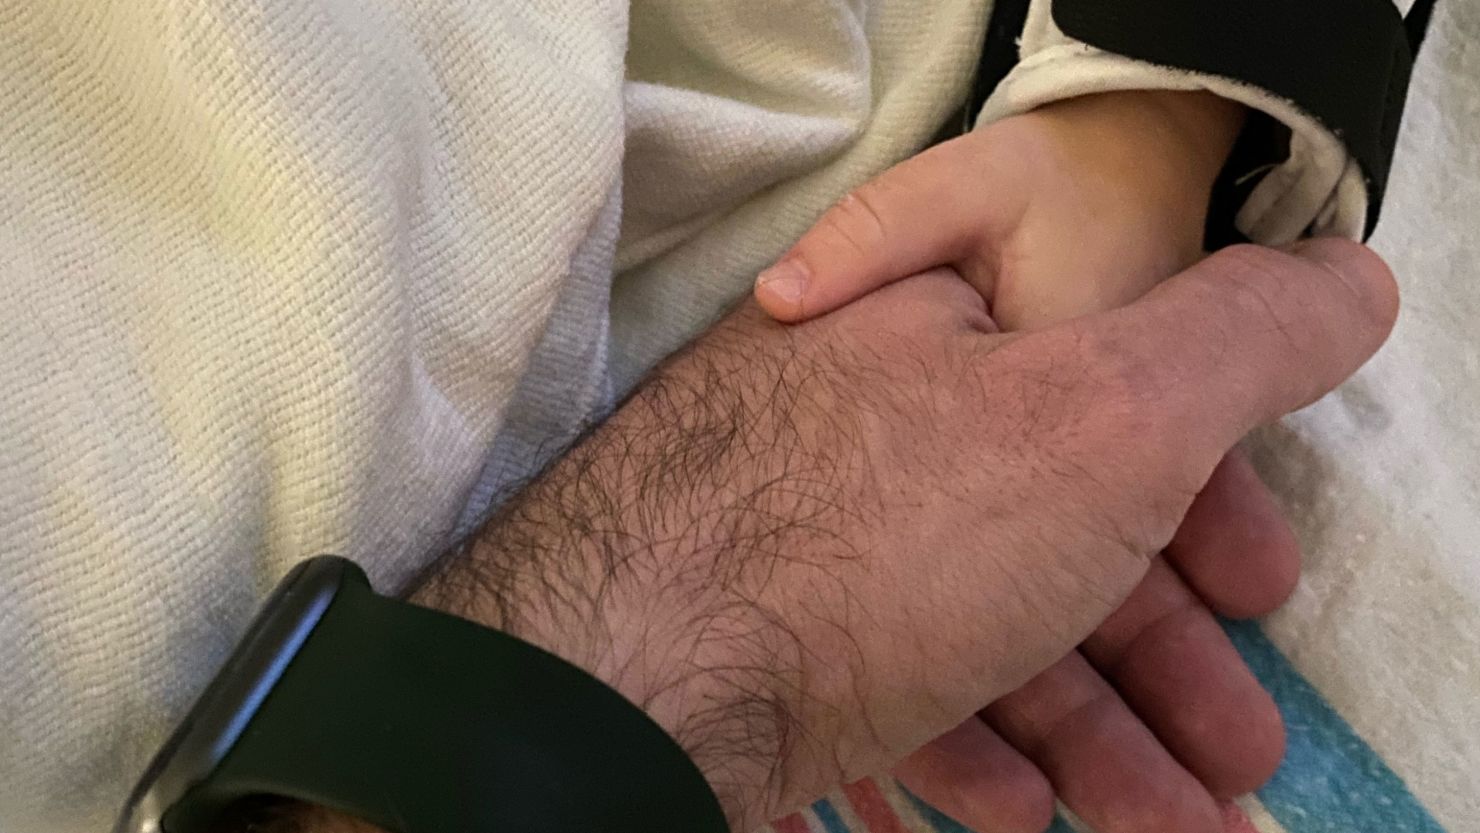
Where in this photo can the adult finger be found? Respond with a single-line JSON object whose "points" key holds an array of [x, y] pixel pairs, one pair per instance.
{"points": [[1235, 547], [1238, 340], [974, 776], [1105, 764], [1173, 664]]}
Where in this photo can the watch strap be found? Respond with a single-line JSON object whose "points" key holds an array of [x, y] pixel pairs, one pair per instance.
{"points": [[421, 722]]}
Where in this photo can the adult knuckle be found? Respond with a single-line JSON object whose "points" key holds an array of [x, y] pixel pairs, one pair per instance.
{"points": [[1257, 257], [1258, 283], [1363, 275]]}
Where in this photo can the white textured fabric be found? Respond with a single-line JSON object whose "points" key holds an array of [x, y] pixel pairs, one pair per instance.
{"points": [[301, 276], [1383, 478]]}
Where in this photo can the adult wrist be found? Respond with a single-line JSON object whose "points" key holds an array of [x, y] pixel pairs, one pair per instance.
{"points": [[588, 648], [291, 816], [643, 557]]}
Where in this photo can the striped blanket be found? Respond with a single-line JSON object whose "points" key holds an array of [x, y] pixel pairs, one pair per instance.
{"points": [[1331, 781]]}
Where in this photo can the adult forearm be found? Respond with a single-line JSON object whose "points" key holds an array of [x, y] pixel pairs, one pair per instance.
{"points": [[645, 555]]}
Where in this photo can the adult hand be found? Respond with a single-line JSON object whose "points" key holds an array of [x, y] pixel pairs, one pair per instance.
{"points": [[1075, 208], [807, 551]]}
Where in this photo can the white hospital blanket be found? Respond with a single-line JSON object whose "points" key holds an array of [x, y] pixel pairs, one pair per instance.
{"points": [[1383, 478]]}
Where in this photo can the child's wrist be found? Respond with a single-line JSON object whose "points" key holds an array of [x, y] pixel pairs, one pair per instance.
{"points": [[1164, 143], [1204, 126]]}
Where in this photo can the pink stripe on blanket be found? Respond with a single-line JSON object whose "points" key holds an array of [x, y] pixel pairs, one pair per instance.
{"points": [[1234, 820], [872, 808]]}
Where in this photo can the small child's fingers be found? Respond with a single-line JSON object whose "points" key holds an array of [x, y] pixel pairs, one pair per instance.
{"points": [[928, 211]]}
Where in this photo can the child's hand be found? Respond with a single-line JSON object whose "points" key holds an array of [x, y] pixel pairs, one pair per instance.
{"points": [[1077, 208]]}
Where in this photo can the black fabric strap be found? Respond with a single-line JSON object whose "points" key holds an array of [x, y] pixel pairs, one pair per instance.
{"points": [[1417, 22], [999, 53], [424, 723], [1346, 62]]}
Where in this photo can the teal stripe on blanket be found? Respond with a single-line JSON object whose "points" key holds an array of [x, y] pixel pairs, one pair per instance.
{"points": [[942, 823], [1331, 781], [828, 815]]}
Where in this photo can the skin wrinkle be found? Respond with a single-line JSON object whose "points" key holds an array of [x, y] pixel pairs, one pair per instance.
{"points": [[854, 212], [1255, 290]]}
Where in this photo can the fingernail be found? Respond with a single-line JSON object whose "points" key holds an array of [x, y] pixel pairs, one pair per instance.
{"points": [[786, 282]]}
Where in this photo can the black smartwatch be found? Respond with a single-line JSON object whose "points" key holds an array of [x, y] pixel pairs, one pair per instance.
{"points": [[417, 722]]}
